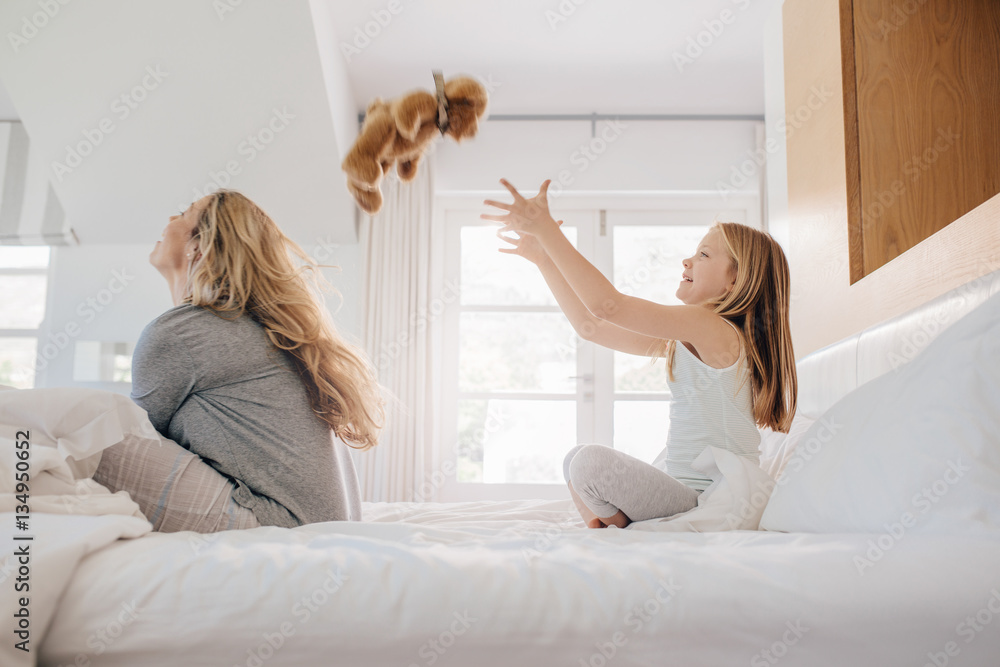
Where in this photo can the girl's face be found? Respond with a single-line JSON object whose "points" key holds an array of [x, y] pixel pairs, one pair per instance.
{"points": [[708, 273]]}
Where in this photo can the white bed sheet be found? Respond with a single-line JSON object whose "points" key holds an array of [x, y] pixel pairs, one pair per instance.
{"points": [[523, 583]]}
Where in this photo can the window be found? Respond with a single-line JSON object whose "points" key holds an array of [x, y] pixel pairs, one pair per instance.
{"points": [[520, 388], [23, 285]]}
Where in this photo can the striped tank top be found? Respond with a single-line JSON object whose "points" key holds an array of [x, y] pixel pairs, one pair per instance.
{"points": [[707, 410]]}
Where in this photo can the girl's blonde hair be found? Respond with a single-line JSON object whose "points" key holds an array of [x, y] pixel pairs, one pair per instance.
{"points": [[758, 305], [246, 266]]}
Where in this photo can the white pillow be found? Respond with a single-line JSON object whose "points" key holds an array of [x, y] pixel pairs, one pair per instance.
{"points": [[915, 450], [777, 447], [80, 423]]}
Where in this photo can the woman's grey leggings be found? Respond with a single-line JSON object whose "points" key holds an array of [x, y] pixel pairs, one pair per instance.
{"points": [[608, 480]]}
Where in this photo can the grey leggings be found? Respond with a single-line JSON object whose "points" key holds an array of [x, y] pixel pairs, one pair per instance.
{"points": [[608, 480]]}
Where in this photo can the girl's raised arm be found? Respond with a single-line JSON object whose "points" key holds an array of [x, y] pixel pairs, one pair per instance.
{"points": [[587, 326], [695, 324]]}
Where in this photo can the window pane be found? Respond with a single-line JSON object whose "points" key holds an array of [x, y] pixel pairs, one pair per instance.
{"points": [[513, 441], [637, 374], [516, 352], [490, 277], [22, 301], [24, 257], [102, 361], [648, 259], [17, 362], [641, 428]]}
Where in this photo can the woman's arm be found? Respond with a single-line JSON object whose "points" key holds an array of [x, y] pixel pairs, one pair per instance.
{"points": [[695, 324], [162, 374], [587, 326]]}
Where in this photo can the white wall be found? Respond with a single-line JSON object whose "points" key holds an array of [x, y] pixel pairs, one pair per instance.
{"points": [[774, 115], [623, 156]]}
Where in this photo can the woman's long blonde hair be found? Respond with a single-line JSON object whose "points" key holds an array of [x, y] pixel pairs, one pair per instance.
{"points": [[246, 266], [758, 305]]}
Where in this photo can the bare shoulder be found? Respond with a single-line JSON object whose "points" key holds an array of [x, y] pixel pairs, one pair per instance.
{"points": [[718, 344]]}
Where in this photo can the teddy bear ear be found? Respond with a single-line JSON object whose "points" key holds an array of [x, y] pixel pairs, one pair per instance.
{"points": [[467, 88]]}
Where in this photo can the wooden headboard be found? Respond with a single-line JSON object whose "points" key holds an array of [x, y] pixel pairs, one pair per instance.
{"points": [[826, 375]]}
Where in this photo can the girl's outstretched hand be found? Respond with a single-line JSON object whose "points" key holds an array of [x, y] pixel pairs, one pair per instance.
{"points": [[524, 216], [526, 246]]}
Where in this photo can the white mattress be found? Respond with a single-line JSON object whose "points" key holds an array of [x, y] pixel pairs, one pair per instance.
{"points": [[522, 583]]}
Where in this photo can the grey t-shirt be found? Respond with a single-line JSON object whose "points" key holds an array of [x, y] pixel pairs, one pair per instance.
{"points": [[222, 390]]}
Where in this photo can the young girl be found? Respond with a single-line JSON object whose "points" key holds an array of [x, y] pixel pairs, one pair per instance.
{"points": [[730, 363]]}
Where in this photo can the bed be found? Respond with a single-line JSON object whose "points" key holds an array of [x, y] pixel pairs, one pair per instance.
{"points": [[822, 556]]}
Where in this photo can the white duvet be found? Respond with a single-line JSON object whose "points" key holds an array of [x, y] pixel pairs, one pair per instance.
{"points": [[520, 583]]}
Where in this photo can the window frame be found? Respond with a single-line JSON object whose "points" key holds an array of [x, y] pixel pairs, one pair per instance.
{"points": [[36, 333]]}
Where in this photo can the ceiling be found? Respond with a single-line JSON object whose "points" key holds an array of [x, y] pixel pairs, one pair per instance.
{"points": [[565, 56], [324, 60]]}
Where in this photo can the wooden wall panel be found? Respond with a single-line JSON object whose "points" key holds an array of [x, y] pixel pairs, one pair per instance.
{"points": [[928, 118], [826, 304]]}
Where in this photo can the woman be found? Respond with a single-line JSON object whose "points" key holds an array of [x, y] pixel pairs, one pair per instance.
{"points": [[248, 376]]}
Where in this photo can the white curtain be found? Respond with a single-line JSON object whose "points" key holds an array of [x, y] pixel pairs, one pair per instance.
{"points": [[399, 324]]}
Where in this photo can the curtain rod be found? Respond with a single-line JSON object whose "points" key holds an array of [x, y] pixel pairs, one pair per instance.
{"points": [[609, 116], [594, 117], [624, 116]]}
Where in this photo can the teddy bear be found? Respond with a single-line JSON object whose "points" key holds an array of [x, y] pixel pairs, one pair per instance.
{"points": [[400, 131]]}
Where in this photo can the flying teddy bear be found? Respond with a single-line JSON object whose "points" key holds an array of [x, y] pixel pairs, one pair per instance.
{"points": [[400, 130]]}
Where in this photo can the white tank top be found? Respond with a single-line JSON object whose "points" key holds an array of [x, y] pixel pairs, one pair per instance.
{"points": [[707, 410]]}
